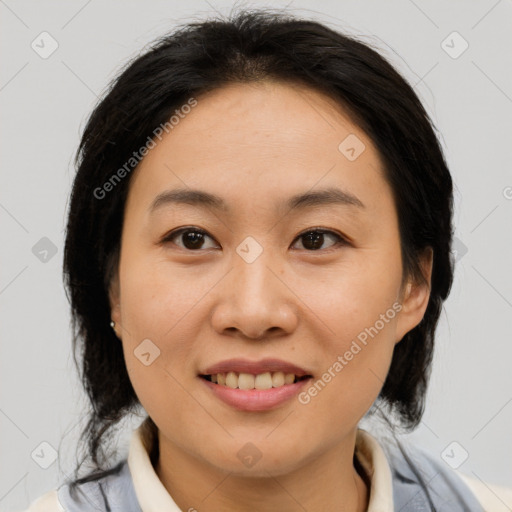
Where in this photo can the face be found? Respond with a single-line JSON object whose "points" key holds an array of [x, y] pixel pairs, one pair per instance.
{"points": [[301, 299]]}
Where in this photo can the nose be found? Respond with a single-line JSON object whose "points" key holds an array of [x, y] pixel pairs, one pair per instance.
{"points": [[254, 301]]}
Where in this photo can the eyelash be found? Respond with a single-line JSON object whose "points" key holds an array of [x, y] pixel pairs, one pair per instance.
{"points": [[341, 240]]}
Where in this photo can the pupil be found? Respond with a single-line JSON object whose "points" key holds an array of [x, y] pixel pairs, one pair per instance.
{"points": [[193, 239], [316, 238]]}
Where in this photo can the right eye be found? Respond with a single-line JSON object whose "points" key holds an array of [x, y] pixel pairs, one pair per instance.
{"points": [[192, 238]]}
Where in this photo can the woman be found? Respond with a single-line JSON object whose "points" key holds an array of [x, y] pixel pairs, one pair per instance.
{"points": [[257, 253]]}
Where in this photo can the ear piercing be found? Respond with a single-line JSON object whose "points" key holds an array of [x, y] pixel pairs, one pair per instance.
{"points": [[113, 325]]}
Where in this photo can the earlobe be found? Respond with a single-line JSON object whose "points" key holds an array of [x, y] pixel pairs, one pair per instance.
{"points": [[416, 297], [115, 315], [115, 307]]}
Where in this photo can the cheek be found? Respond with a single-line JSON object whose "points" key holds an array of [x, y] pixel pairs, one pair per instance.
{"points": [[359, 313], [157, 299], [156, 335], [352, 300], [165, 397], [158, 349], [353, 374]]}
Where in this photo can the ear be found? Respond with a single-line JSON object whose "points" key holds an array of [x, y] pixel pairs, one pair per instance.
{"points": [[415, 297], [115, 307]]}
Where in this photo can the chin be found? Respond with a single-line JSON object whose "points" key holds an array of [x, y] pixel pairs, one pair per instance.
{"points": [[246, 458]]}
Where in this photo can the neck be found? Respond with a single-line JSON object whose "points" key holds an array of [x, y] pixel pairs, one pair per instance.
{"points": [[330, 482]]}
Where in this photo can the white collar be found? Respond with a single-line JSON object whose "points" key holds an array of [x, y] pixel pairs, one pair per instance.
{"points": [[153, 496]]}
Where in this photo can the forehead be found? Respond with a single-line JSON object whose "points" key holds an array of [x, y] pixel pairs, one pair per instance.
{"points": [[265, 115], [261, 140]]}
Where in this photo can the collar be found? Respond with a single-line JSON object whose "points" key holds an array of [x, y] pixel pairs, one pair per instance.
{"points": [[154, 497]]}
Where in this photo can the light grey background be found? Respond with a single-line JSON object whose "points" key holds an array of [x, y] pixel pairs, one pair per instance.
{"points": [[44, 106]]}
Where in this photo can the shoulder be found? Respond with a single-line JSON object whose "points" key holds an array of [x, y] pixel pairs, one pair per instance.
{"points": [[493, 498], [420, 479], [48, 502], [110, 490]]}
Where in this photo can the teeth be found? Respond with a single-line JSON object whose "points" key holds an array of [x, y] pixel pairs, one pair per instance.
{"points": [[246, 381], [265, 380], [232, 380], [277, 379]]}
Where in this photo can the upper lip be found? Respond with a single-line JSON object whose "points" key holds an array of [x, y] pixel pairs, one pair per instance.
{"points": [[254, 367]]}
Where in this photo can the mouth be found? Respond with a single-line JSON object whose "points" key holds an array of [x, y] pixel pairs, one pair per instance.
{"points": [[261, 381], [255, 386]]}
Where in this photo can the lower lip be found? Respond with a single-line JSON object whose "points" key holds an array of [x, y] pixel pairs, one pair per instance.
{"points": [[256, 399]]}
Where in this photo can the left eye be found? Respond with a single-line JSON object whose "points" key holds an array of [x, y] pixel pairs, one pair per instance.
{"points": [[194, 238], [315, 238]]}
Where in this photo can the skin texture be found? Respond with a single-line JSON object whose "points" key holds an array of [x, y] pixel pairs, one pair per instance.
{"points": [[255, 145]]}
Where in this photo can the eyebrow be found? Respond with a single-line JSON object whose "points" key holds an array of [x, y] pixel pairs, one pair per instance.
{"points": [[200, 198]]}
